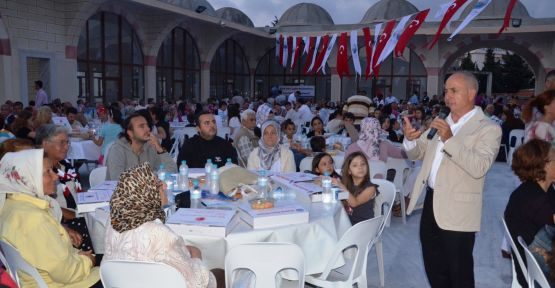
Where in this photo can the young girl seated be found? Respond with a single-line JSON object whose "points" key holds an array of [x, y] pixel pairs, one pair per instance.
{"points": [[362, 192], [322, 163]]}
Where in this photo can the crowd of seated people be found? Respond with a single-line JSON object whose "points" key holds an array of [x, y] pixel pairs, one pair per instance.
{"points": [[135, 139]]}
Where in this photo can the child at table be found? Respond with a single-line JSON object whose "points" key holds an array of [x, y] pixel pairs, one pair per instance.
{"points": [[362, 192], [322, 163]]}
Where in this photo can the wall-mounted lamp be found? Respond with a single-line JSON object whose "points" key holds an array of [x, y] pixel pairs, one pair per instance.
{"points": [[515, 22], [200, 9]]}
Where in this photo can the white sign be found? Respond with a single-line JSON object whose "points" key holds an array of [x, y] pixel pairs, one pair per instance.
{"points": [[306, 90]]}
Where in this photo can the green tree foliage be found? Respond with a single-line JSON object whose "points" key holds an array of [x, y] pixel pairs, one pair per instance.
{"points": [[467, 64], [493, 66], [516, 73]]}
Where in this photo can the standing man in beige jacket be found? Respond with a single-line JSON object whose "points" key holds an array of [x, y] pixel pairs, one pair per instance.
{"points": [[455, 163]]}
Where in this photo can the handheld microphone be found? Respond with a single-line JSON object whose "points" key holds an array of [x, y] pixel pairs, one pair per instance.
{"points": [[443, 112]]}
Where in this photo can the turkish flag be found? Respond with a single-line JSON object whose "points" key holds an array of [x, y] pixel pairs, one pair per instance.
{"points": [[453, 8], [322, 53], [384, 37], [280, 49], [311, 43], [410, 31], [368, 48], [296, 52], [342, 59], [508, 13], [289, 49]]}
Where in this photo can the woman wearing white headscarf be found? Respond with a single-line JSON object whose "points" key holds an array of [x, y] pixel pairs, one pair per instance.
{"points": [[370, 143], [270, 155], [28, 222]]}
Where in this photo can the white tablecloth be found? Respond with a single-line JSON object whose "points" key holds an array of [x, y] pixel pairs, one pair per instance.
{"points": [[83, 150]]}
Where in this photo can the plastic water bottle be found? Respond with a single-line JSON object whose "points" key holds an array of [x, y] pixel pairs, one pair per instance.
{"points": [[326, 184], [183, 177], [214, 181], [207, 170], [162, 173], [169, 190], [228, 163], [262, 183], [196, 194]]}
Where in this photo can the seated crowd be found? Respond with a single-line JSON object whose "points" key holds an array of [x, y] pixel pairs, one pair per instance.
{"points": [[39, 186]]}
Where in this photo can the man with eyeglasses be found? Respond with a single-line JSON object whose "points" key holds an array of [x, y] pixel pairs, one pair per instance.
{"points": [[244, 139], [206, 145]]}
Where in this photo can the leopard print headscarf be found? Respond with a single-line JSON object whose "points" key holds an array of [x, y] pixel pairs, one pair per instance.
{"points": [[136, 199]]}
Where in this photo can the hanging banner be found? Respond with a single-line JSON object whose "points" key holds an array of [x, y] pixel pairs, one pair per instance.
{"points": [[285, 51], [395, 35], [453, 8], [280, 49], [327, 55], [314, 54], [508, 14], [368, 49], [310, 47], [480, 6], [321, 53], [380, 45], [342, 63], [410, 31], [277, 45], [354, 52], [296, 51]]}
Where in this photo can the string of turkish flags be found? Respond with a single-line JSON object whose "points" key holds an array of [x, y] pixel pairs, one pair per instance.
{"points": [[394, 38]]}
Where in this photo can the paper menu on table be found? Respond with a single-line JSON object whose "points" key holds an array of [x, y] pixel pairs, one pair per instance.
{"points": [[280, 208], [106, 185], [308, 187], [201, 217], [296, 176], [94, 196]]}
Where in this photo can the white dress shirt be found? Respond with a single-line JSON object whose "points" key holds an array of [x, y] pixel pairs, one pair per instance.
{"points": [[455, 127]]}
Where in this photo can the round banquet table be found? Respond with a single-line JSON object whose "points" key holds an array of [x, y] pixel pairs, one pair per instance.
{"points": [[83, 149]]}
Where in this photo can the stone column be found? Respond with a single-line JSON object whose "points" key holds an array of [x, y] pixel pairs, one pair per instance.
{"points": [[335, 85], [204, 81], [150, 77]]}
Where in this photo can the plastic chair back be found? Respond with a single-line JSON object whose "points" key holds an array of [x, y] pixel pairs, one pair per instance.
{"points": [[265, 260], [401, 166], [516, 138], [361, 236], [515, 250], [377, 168], [306, 164], [97, 176], [124, 273], [384, 201], [15, 262], [535, 273]]}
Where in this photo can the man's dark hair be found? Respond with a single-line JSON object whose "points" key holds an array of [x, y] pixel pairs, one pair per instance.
{"points": [[197, 117], [318, 144], [18, 103], [32, 103], [71, 110], [38, 83], [126, 125]]}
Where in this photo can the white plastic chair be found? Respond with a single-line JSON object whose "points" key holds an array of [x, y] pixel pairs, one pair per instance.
{"points": [[360, 237], [382, 206], [265, 260], [377, 167], [518, 257], [535, 273], [15, 262], [124, 273], [306, 164], [402, 168], [518, 136], [97, 176]]}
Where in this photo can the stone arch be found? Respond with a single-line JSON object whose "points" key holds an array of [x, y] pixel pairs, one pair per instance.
{"points": [[156, 43], [215, 45], [520, 47], [93, 7]]}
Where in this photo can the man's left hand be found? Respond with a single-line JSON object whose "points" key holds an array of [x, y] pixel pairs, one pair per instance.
{"points": [[154, 141], [443, 129]]}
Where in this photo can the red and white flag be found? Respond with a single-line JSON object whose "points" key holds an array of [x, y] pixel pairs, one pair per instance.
{"points": [[321, 53], [280, 47], [314, 53], [286, 51], [380, 45], [453, 8], [395, 35], [354, 52], [327, 55], [368, 49], [309, 47], [508, 13], [296, 51], [410, 31], [342, 63]]}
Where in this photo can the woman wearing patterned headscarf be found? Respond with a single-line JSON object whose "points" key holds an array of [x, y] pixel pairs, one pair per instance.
{"points": [[370, 143], [137, 231], [29, 224], [270, 155]]}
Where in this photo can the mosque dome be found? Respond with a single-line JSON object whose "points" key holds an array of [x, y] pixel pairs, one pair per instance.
{"points": [[303, 14], [235, 16], [388, 9]]}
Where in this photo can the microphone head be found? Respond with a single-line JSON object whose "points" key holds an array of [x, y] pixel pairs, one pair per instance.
{"points": [[444, 112]]}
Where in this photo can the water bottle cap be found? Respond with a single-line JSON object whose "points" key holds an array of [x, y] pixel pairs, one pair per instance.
{"points": [[183, 162], [161, 166], [195, 182], [209, 160], [228, 159], [262, 172], [327, 173]]}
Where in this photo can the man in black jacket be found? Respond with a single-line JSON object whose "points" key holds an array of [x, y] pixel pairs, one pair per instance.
{"points": [[206, 145]]}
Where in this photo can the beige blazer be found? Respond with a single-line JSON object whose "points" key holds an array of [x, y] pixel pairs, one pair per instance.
{"points": [[460, 179]]}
